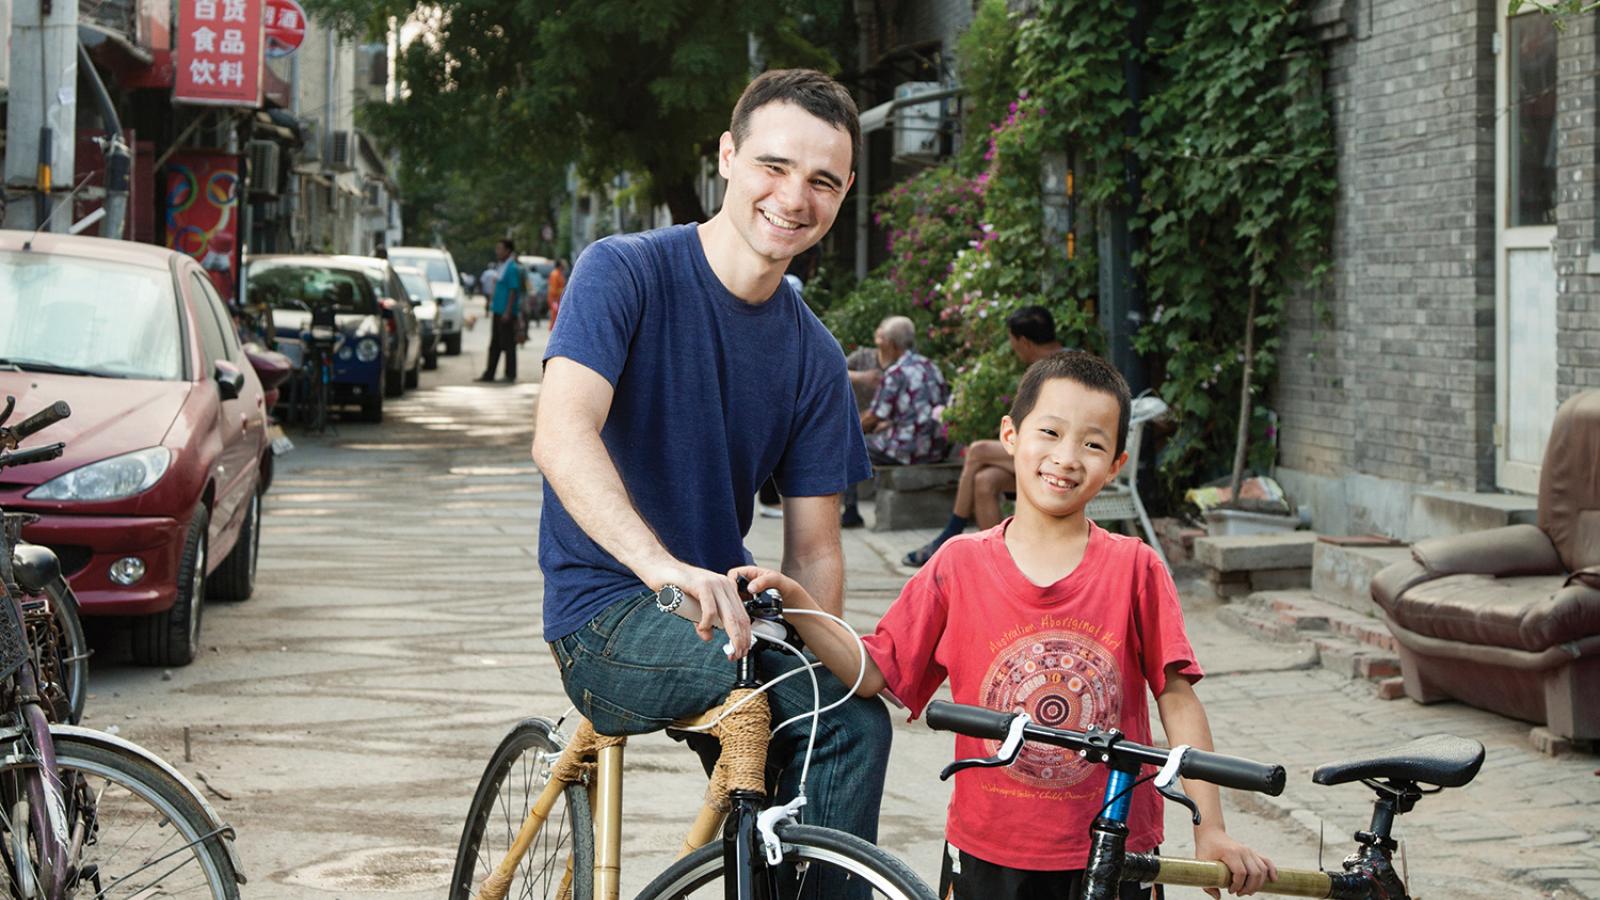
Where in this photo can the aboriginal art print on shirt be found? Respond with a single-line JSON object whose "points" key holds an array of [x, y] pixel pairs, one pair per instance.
{"points": [[1062, 679]]}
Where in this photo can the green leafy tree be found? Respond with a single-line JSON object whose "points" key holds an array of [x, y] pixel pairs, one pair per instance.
{"points": [[642, 86]]}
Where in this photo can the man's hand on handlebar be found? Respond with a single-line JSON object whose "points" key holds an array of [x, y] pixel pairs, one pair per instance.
{"points": [[718, 599]]}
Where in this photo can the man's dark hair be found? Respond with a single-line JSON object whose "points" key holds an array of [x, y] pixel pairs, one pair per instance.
{"points": [[510, 247], [808, 89], [1034, 323], [1086, 369]]}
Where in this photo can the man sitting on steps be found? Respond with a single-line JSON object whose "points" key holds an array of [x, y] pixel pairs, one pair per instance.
{"points": [[986, 472]]}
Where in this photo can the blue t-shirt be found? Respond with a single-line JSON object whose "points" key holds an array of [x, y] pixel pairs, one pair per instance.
{"points": [[712, 395], [509, 286]]}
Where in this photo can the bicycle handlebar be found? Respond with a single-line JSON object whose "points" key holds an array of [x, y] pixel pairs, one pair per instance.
{"points": [[41, 420], [31, 455], [1106, 747]]}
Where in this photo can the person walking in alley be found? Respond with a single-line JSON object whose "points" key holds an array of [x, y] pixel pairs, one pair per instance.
{"points": [[685, 372], [555, 287], [505, 308]]}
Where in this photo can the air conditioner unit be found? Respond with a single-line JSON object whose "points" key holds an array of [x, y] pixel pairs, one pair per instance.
{"points": [[341, 150], [264, 168], [916, 125]]}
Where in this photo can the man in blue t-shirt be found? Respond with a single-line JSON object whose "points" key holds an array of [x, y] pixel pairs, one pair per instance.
{"points": [[683, 374]]}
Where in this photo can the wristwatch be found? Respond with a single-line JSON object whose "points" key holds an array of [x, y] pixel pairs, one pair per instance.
{"points": [[669, 598]]}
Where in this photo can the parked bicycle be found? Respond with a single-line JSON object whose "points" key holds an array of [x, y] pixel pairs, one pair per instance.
{"points": [[311, 396], [539, 777], [1400, 776], [49, 608], [84, 814]]}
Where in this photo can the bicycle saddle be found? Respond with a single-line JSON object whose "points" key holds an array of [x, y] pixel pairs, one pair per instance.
{"points": [[35, 567], [1441, 759]]}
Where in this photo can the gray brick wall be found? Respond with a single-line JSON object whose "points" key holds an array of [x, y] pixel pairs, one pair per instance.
{"points": [[1389, 370], [1578, 205]]}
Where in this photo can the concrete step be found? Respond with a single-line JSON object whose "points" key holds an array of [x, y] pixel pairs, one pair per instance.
{"points": [[1351, 644], [1342, 575], [1440, 513]]}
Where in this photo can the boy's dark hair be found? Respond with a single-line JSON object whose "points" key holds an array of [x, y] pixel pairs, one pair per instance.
{"points": [[1034, 323], [808, 89], [1086, 369], [510, 247]]}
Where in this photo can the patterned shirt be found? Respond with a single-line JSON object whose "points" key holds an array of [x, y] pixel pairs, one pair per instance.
{"points": [[910, 399]]}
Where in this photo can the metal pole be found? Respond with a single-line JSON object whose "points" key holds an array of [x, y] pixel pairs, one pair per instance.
{"points": [[115, 149], [41, 121]]}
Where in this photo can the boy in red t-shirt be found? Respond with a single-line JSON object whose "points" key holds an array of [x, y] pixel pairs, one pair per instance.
{"points": [[1049, 614]]}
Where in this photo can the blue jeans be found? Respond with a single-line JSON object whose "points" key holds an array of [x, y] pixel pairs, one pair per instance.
{"points": [[635, 669]]}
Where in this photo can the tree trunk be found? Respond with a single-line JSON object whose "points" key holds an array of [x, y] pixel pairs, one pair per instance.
{"points": [[1241, 443], [683, 201]]}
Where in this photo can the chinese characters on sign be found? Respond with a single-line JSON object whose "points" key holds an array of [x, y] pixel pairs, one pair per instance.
{"points": [[219, 48], [286, 27]]}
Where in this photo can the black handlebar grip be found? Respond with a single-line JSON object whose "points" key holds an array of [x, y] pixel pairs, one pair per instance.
{"points": [[973, 721], [42, 419], [32, 455], [1231, 771]]}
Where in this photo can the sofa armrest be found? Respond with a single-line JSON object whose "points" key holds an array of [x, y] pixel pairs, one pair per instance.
{"points": [[1395, 579], [1501, 552]]}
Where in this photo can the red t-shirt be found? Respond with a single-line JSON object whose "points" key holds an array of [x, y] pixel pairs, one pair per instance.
{"points": [[1079, 652]]}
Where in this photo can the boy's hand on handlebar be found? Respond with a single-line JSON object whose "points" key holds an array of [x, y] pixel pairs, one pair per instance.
{"points": [[719, 602], [1250, 869]]}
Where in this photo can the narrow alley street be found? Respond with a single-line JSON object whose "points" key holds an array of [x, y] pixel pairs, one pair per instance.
{"points": [[340, 718]]}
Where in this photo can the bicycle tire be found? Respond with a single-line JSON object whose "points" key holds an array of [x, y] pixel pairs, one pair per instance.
{"points": [[514, 778], [699, 875], [142, 833], [71, 651]]}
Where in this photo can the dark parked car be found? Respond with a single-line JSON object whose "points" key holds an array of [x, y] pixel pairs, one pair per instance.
{"points": [[292, 285], [399, 320], [158, 497]]}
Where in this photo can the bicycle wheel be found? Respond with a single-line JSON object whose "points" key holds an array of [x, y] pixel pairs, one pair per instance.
{"points": [[139, 833], [64, 655], [817, 862], [513, 780]]}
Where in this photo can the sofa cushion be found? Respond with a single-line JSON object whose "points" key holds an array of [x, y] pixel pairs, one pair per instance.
{"points": [[1569, 481], [1529, 613]]}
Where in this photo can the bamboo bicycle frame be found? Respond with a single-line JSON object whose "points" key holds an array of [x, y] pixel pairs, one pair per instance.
{"points": [[595, 760]]}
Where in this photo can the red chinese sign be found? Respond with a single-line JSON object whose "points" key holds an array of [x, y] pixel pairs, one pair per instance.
{"points": [[219, 45], [286, 27]]}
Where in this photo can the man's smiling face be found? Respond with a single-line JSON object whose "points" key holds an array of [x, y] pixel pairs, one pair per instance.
{"points": [[786, 180]]}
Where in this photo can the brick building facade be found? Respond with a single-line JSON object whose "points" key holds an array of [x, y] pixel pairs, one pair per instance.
{"points": [[1396, 377]]}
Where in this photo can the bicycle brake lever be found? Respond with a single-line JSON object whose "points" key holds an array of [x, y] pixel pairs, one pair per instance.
{"points": [[1166, 782], [1005, 756], [11, 403]]}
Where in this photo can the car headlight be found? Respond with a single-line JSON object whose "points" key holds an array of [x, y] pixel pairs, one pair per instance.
{"points": [[108, 479], [367, 350], [345, 353]]}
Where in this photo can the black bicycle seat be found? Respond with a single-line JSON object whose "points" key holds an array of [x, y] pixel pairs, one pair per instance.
{"points": [[1441, 759]]}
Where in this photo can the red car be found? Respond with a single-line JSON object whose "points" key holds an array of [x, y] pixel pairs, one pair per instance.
{"points": [[158, 497]]}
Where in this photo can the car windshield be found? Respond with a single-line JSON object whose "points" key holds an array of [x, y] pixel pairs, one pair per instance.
{"points": [[417, 286], [88, 317], [437, 267], [299, 286]]}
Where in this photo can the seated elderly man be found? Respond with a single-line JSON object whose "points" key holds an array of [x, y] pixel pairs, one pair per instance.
{"points": [[902, 422]]}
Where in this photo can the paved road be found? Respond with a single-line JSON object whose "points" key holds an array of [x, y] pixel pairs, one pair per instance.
{"points": [[342, 715]]}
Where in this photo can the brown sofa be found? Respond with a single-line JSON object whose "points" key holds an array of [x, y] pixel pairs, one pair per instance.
{"points": [[1509, 619]]}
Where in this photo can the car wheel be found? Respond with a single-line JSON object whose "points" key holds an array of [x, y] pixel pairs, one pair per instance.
{"points": [[172, 637], [430, 357], [394, 383], [372, 407], [235, 579], [452, 344]]}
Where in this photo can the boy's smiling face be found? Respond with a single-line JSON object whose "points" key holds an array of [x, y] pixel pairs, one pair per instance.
{"points": [[1065, 448]]}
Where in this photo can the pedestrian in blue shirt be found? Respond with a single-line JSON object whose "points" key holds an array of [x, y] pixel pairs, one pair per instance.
{"points": [[505, 307]]}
